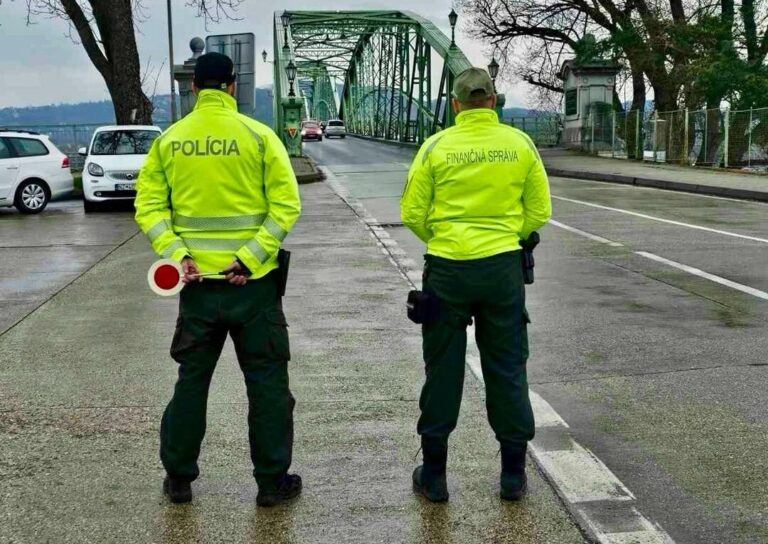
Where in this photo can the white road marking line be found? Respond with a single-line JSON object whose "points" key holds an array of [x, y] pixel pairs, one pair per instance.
{"points": [[662, 220], [684, 267], [597, 184], [712, 277], [585, 483], [593, 237]]}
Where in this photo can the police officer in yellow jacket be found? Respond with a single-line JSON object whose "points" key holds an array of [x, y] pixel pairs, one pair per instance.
{"points": [[473, 193], [217, 193]]}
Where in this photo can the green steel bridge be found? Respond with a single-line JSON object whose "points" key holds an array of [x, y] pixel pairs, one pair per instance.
{"points": [[385, 64]]}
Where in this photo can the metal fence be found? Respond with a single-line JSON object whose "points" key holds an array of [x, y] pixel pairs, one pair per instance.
{"points": [[70, 138], [544, 130], [709, 137]]}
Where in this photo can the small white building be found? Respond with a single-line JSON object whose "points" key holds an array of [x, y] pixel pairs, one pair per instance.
{"points": [[586, 84]]}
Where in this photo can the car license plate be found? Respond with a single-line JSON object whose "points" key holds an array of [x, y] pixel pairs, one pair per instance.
{"points": [[125, 187]]}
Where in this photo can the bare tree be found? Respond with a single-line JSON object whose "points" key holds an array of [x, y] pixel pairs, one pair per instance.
{"points": [[107, 31], [640, 33]]}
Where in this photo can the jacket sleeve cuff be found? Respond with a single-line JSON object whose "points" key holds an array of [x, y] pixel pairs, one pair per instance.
{"points": [[180, 254]]}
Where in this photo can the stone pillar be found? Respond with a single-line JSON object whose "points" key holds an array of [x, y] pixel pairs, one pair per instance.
{"points": [[589, 88], [292, 125], [500, 101], [185, 74]]}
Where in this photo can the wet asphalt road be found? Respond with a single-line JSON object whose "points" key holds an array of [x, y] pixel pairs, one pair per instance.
{"points": [[663, 374], [41, 254], [85, 377]]}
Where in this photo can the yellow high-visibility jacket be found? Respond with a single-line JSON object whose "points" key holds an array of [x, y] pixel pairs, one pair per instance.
{"points": [[217, 186], [476, 189]]}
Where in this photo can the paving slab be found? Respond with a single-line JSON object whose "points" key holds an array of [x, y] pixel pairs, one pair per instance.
{"points": [[85, 377]]}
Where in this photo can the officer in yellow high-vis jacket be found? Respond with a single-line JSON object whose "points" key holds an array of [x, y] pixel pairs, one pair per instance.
{"points": [[217, 193], [473, 193]]}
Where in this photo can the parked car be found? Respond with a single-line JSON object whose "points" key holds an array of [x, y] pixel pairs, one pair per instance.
{"points": [[310, 130], [335, 129], [32, 171], [112, 163]]}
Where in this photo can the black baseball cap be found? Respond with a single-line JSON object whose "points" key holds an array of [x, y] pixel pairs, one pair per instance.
{"points": [[214, 71]]}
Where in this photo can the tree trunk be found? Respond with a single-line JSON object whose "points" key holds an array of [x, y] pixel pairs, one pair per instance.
{"points": [[665, 95], [122, 73], [634, 149]]}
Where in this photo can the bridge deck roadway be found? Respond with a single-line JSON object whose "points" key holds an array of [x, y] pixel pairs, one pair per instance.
{"points": [[648, 338], [84, 379]]}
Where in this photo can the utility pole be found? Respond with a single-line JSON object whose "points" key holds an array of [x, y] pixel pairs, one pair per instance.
{"points": [[170, 63]]}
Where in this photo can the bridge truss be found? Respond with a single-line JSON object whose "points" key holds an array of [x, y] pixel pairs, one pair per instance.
{"points": [[388, 74]]}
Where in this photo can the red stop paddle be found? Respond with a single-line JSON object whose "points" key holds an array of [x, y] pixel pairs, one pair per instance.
{"points": [[165, 277]]}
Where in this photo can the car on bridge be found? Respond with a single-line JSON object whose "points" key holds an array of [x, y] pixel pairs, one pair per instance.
{"points": [[311, 130], [112, 163], [32, 171], [335, 129]]}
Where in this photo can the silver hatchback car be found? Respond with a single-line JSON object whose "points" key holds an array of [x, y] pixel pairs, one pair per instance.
{"points": [[335, 129]]}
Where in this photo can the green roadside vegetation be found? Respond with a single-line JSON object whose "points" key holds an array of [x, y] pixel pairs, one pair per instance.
{"points": [[78, 176]]}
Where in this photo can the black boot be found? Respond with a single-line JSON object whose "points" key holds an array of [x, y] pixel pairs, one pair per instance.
{"points": [[287, 487], [429, 479], [513, 481], [179, 491]]}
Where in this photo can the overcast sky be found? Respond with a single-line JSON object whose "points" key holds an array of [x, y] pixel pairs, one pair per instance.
{"points": [[40, 65]]}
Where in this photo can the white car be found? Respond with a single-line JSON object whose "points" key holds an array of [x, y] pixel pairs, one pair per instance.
{"points": [[335, 129], [32, 171], [112, 163]]}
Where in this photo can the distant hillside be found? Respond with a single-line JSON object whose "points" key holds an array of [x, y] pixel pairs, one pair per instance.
{"points": [[103, 113]]}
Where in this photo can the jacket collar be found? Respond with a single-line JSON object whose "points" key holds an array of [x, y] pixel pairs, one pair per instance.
{"points": [[477, 116], [211, 98]]}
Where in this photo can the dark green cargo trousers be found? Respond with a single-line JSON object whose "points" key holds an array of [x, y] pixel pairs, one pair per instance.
{"points": [[252, 315], [491, 291]]}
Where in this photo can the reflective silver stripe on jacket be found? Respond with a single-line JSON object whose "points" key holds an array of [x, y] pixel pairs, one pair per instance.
{"points": [[158, 229], [215, 244], [233, 222], [274, 229], [172, 247], [259, 252]]}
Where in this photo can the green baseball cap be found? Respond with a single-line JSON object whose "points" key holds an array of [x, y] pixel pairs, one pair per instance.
{"points": [[472, 84]]}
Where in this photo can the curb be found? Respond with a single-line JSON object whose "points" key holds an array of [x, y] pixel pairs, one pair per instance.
{"points": [[728, 192], [314, 174]]}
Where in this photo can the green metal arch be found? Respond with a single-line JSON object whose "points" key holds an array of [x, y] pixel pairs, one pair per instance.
{"points": [[385, 59]]}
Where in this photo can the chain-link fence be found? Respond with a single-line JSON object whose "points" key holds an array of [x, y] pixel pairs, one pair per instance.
{"points": [[70, 138], [545, 130], [709, 137]]}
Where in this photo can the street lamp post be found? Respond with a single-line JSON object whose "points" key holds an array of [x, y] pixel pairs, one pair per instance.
{"points": [[493, 71], [452, 18], [286, 19], [290, 71], [170, 63]]}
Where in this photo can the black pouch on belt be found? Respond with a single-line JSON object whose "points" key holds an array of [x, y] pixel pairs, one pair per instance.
{"points": [[283, 265], [423, 307]]}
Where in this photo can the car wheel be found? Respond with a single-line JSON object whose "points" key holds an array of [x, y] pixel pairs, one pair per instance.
{"points": [[90, 207], [343, 136], [32, 196]]}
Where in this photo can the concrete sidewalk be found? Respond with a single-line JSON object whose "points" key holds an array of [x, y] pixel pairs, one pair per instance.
{"points": [[85, 377], [571, 164]]}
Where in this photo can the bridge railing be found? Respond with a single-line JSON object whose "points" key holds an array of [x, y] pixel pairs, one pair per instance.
{"points": [[545, 130], [704, 137]]}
